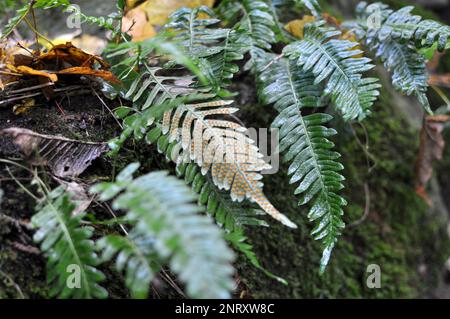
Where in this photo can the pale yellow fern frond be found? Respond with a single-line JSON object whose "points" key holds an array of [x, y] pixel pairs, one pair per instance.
{"points": [[221, 147]]}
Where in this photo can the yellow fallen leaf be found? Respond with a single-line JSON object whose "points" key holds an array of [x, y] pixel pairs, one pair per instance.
{"points": [[296, 27], [30, 71], [106, 75], [140, 22], [22, 108]]}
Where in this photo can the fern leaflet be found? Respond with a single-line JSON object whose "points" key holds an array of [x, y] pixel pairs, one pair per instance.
{"points": [[68, 247]]}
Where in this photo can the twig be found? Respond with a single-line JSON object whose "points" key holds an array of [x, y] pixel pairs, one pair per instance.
{"points": [[35, 27], [366, 208], [26, 248], [31, 88], [106, 106], [37, 32], [115, 216], [441, 95]]}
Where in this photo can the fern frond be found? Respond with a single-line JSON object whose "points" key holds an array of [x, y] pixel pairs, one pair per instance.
{"points": [[150, 88], [255, 19], [312, 5], [128, 58], [403, 26], [304, 139], [69, 249], [334, 60], [202, 39], [162, 207], [408, 67], [221, 148], [398, 53], [314, 166]]}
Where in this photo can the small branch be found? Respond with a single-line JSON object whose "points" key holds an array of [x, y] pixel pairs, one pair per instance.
{"points": [[26, 248], [366, 208]]}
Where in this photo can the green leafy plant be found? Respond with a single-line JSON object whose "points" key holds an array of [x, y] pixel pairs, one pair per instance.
{"points": [[167, 224], [69, 247]]}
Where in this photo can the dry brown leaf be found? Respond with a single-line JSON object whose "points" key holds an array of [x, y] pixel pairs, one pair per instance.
{"points": [[140, 21], [11, 54], [26, 70], [350, 36], [442, 80], [65, 157], [78, 194], [106, 75], [431, 149], [332, 20], [136, 24], [72, 55]]}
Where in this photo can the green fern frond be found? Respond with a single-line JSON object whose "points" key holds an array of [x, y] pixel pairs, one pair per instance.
{"points": [[398, 54], [314, 166], [408, 67], [333, 60], [203, 40], [151, 89], [304, 139], [312, 5], [69, 249], [162, 207], [254, 18], [402, 25], [128, 58]]}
